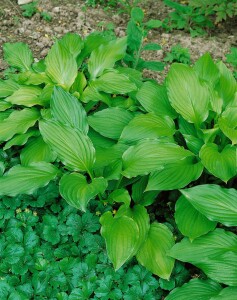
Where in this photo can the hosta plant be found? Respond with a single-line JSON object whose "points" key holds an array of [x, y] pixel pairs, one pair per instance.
{"points": [[82, 119]]}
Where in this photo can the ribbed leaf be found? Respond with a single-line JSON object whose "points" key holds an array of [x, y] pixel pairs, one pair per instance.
{"points": [[26, 96], [207, 70], [191, 222], [102, 121], [121, 236], [20, 139], [185, 91], [114, 83], [120, 196], [199, 289], [25, 180], [175, 175], [216, 203], [105, 56], [73, 43], [221, 164], [68, 110], [212, 252], [4, 105], [18, 55], [147, 126], [152, 254], [61, 66], [75, 189], [153, 98], [151, 155], [228, 293], [227, 84], [19, 121], [7, 87], [228, 124], [73, 147], [36, 151]]}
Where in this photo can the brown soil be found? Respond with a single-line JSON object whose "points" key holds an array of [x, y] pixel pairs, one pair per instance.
{"points": [[73, 16]]}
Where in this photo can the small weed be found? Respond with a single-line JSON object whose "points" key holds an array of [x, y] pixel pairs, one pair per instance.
{"points": [[32, 8], [178, 54], [231, 58]]}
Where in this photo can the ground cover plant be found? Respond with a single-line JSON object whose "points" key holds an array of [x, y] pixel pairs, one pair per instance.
{"points": [[86, 122]]}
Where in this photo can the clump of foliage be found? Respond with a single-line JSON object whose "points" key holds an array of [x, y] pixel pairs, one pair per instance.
{"points": [[124, 5], [197, 16], [85, 118], [32, 8], [231, 58], [178, 54]]}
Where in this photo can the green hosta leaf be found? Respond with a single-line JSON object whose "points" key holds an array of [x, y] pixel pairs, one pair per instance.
{"points": [[20, 139], [190, 221], [139, 214], [121, 236], [73, 43], [75, 189], [227, 293], [25, 180], [152, 254], [101, 121], [72, 146], [199, 289], [228, 124], [18, 122], [212, 252], [61, 66], [4, 105], [36, 151], [175, 175], [207, 70], [114, 83], [153, 98], [121, 196], [216, 203], [147, 126], [7, 87], [99, 140], [67, 109], [105, 56], [152, 46], [226, 86], [151, 155], [26, 96], [185, 91], [79, 84], [18, 55], [221, 164]]}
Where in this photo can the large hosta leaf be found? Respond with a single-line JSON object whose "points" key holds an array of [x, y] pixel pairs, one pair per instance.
{"points": [[121, 236], [216, 203], [4, 105], [212, 252], [175, 175], [114, 83], [190, 221], [199, 289], [67, 109], [153, 98], [25, 180], [73, 147], [221, 164], [26, 96], [152, 254], [228, 124], [187, 94], [75, 189], [19, 121], [73, 43], [35, 151], [147, 126], [7, 87], [18, 55], [61, 66], [151, 155], [101, 121], [21, 139], [105, 56]]}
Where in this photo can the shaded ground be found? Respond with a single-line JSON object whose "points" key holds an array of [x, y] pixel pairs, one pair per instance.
{"points": [[73, 16]]}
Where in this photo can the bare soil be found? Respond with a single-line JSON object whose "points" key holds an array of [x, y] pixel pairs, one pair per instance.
{"points": [[74, 16]]}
